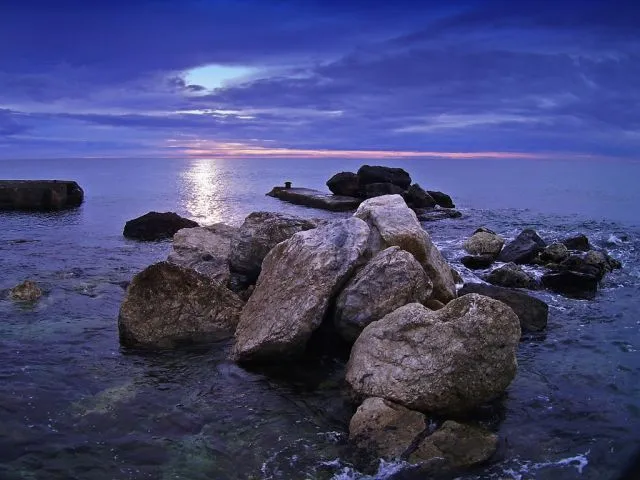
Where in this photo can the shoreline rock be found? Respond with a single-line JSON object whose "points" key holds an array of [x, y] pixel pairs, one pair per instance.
{"points": [[315, 199], [154, 226], [40, 195]]}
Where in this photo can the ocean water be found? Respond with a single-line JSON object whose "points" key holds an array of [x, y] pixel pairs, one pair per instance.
{"points": [[76, 405]]}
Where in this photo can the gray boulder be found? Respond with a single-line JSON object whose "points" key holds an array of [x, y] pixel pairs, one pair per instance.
{"points": [[344, 183], [524, 248], [484, 243], [390, 280], [166, 305], [511, 276], [376, 174], [27, 291], [445, 361], [299, 278], [392, 223], [554, 253]]}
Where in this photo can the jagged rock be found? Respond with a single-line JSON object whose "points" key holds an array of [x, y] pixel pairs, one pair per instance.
{"points": [[442, 199], [572, 284], [378, 189], [344, 183], [484, 243], [393, 223], [156, 226], [259, 233], [477, 262], [417, 197], [447, 361], [166, 305], [532, 312], [27, 291], [299, 278], [376, 174], [555, 253], [205, 250], [511, 276], [390, 280], [523, 249], [579, 242]]}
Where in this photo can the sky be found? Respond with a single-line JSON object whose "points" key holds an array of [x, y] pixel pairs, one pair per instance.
{"points": [[319, 78]]}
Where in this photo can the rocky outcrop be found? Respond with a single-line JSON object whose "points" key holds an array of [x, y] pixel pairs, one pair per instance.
{"points": [[391, 279], [554, 253], [376, 174], [392, 223], [344, 183], [447, 361], [299, 278], [511, 275], [27, 291], [532, 312], [39, 195], [579, 242], [477, 262], [156, 226], [442, 199], [167, 305], [417, 197], [484, 243], [259, 233], [205, 250], [523, 249], [572, 284], [371, 190], [315, 199]]}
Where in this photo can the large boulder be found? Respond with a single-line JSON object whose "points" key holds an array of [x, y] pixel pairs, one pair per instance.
{"points": [[39, 195], [577, 242], [390, 280], [156, 226], [532, 312], [344, 183], [392, 223], [371, 190], [167, 305], [511, 275], [27, 291], [417, 197], [299, 278], [554, 253], [447, 361], [376, 174], [484, 243], [524, 248], [204, 249], [572, 284], [258, 234], [442, 199]]}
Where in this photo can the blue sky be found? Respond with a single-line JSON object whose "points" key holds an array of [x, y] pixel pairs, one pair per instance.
{"points": [[159, 78]]}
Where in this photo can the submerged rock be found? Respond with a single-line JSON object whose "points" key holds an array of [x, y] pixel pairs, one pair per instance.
{"points": [[511, 276], [436, 213], [299, 278], [156, 226], [447, 361], [578, 242], [27, 291], [376, 174], [572, 284], [390, 280], [484, 243], [315, 199], [166, 305], [523, 249], [417, 197], [344, 183], [442, 199]]}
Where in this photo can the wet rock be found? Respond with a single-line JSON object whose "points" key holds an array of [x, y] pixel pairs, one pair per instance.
{"points": [[39, 195], [578, 242], [27, 291], [460, 445], [555, 253], [442, 199], [477, 262], [595, 265], [384, 429], [511, 276], [447, 361], [572, 284], [299, 278], [436, 213], [457, 278], [259, 233], [393, 223], [344, 183], [205, 250], [167, 305], [378, 189], [532, 312], [376, 174], [601, 261], [523, 249], [156, 226], [417, 197], [484, 243], [390, 280], [315, 199]]}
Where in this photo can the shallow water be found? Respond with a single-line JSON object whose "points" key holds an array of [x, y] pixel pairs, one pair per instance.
{"points": [[74, 404]]}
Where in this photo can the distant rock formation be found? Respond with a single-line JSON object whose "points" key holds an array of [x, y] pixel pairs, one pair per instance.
{"points": [[39, 195]]}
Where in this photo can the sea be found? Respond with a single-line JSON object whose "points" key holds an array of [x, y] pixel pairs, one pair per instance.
{"points": [[74, 404]]}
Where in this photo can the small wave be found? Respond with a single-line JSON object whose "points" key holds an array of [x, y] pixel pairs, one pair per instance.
{"points": [[526, 468], [385, 470]]}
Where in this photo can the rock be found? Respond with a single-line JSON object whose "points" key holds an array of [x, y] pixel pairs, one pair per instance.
{"points": [[205, 250], [511, 276], [156, 226], [447, 361], [556, 253], [442, 199], [417, 197], [484, 243], [523, 248], [433, 304], [39, 195], [375, 174], [27, 291], [599, 260], [390, 280], [485, 230], [378, 189], [477, 262], [385, 429], [595, 265], [315, 199], [461, 446], [572, 284], [393, 223], [259, 233], [457, 278], [532, 313], [166, 305], [344, 183], [436, 213], [299, 278], [579, 242]]}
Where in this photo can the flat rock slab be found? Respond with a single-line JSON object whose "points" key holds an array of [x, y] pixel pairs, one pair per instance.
{"points": [[315, 199], [39, 195]]}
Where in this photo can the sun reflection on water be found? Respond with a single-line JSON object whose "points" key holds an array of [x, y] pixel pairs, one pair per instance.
{"points": [[204, 188]]}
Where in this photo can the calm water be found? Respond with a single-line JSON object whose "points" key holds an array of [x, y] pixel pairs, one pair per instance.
{"points": [[74, 404]]}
